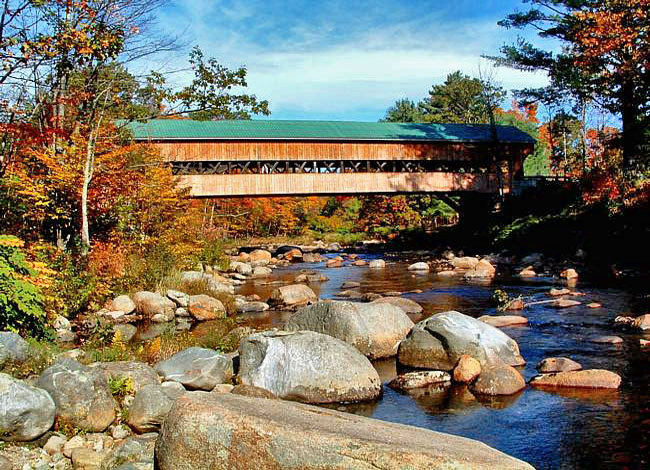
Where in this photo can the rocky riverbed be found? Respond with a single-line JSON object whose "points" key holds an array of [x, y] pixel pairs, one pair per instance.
{"points": [[409, 338]]}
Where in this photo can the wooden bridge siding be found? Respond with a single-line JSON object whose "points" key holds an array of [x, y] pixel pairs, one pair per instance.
{"points": [[335, 183], [274, 150]]}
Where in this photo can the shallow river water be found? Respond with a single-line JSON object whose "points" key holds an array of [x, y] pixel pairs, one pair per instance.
{"points": [[569, 429]]}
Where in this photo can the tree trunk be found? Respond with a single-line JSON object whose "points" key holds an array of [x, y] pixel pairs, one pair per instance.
{"points": [[631, 131], [88, 175]]}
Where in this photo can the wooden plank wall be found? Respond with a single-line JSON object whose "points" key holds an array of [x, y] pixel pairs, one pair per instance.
{"points": [[307, 150], [335, 183]]}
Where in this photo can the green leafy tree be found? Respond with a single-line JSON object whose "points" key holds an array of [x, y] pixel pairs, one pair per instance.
{"points": [[460, 99], [21, 302], [403, 110], [210, 95]]}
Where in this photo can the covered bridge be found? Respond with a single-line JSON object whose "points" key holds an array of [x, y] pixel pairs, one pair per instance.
{"points": [[287, 158]]}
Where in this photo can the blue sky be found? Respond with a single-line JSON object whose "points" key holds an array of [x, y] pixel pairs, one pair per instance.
{"points": [[344, 59]]}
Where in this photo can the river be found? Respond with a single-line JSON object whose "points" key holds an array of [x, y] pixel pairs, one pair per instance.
{"points": [[568, 429]]}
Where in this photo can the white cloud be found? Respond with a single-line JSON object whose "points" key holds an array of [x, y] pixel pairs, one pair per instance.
{"points": [[308, 70]]}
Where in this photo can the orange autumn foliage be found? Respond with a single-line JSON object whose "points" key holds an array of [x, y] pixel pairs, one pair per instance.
{"points": [[613, 34]]}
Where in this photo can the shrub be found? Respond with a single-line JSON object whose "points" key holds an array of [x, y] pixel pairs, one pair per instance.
{"points": [[75, 288], [21, 301], [213, 254], [148, 270]]}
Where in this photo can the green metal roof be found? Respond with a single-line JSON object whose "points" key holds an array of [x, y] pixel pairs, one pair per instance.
{"points": [[179, 129]]}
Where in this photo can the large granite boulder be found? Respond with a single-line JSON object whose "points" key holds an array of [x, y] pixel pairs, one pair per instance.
{"points": [[206, 431], [139, 373], [307, 366], [196, 368], [13, 348], [293, 295], [374, 329], [149, 409], [439, 341], [81, 395], [26, 412]]}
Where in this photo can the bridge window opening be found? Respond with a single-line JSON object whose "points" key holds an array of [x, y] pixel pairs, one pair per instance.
{"points": [[329, 166]]}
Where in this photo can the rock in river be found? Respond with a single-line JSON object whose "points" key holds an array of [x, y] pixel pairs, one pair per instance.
{"points": [[206, 431], [498, 379], [292, 295], [259, 255], [607, 339], [464, 263], [377, 264], [500, 321], [589, 378], [419, 379], [307, 366], [26, 412], [203, 307], [81, 395], [564, 303], [439, 341], [408, 305], [467, 369], [557, 364], [374, 329], [421, 266], [196, 368], [154, 306]]}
